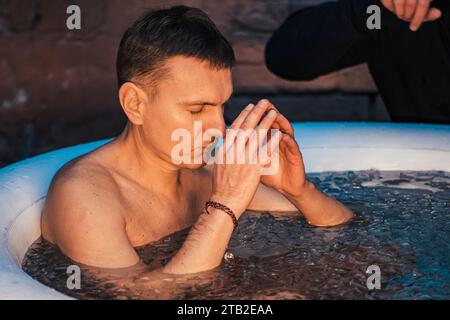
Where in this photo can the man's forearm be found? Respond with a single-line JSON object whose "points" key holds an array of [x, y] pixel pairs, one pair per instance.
{"points": [[320, 209], [205, 245], [318, 40]]}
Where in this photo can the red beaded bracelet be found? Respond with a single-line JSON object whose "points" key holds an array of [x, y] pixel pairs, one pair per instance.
{"points": [[224, 208]]}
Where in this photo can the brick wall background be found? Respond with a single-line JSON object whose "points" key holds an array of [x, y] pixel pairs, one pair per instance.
{"points": [[58, 87]]}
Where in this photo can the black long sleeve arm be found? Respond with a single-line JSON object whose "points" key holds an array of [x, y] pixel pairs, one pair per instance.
{"points": [[321, 39]]}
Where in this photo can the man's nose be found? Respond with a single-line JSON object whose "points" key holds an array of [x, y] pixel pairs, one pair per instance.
{"points": [[218, 122]]}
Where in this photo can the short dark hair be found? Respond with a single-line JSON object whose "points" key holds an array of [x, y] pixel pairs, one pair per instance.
{"points": [[164, 33]]}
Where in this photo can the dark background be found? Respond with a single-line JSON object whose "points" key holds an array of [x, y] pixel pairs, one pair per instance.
{"points": [[58, 87]]}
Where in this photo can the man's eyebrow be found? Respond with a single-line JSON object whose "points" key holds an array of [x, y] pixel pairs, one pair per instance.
{"points": [[204, 102]]}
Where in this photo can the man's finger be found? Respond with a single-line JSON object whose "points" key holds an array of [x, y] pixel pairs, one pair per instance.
{"points": [[241, 117], [248, 122], [420, 14], [281, 122], [399, 6], [433, 14], [255, 115], [284, 125], [263, 131], [411, 7], [268, 149], [267, 121], [389, 4], [289, 145]]}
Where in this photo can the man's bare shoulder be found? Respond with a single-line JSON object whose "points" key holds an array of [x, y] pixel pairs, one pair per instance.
{"points": [[86, 176], [83, 216], [81, 188]]}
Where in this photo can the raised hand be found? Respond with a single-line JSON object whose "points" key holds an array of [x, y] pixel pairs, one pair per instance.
{"points": [[414, 11], [290, 177], [234, 184]]}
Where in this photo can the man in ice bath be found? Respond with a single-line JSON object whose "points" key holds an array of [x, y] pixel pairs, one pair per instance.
{"points": [[174, 68]]}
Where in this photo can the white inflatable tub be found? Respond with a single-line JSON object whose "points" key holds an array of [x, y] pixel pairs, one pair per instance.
{"points": [[325, 147]]}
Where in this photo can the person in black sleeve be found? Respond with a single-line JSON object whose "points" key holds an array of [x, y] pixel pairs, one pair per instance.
{"points": [[408, 57]]}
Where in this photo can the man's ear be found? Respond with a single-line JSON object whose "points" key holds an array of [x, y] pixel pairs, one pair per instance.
{"points": [[133, 101]]}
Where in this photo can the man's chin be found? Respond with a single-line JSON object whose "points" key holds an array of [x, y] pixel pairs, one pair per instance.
{"points": [[193, 166]]}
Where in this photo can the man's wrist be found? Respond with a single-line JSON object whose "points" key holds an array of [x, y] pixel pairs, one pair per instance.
{"points": [[229, 202], [301, 195], [221, 207]]}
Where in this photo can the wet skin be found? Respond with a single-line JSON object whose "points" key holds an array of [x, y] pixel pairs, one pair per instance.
{"points": [[128, 192]]}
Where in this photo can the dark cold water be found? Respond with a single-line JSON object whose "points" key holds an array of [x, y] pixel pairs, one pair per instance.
{"points": [[402, 225]]}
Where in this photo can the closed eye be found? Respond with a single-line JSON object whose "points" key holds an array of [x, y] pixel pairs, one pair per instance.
{"points": [[196, 111]]}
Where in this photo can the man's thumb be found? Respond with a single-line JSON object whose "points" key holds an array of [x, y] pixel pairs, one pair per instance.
{"points": [[433, 14]]}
